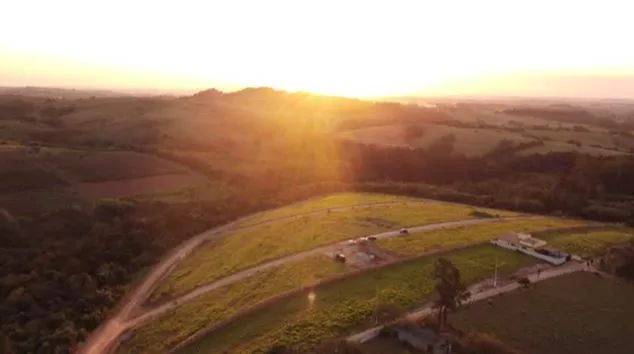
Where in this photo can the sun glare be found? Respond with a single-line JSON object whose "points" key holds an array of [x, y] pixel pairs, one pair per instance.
{"points": [[352, 48]]}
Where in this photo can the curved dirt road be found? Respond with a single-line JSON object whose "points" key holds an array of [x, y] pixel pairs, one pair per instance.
{"points": [[102, 338], [106, 337]]}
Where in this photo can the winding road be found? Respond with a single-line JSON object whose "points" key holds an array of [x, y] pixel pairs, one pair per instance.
{"points": [[126, 317]]}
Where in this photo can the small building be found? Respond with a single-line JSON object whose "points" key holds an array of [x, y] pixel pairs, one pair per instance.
{"points": [[531, 246], [426, 340]]}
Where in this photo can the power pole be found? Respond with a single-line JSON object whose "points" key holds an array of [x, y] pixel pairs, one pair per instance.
{"points": [[495, 277]]}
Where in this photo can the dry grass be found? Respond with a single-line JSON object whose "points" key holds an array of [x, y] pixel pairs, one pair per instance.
{"points": [[578, 313]]}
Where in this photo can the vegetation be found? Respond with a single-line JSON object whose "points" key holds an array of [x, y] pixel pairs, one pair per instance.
{"points": [[265, 242], [66, 259], [419, 243], [578, 313], [342, 306], [590, 242], [212, 308], [450, 289], [61, 272], [340, 200]]}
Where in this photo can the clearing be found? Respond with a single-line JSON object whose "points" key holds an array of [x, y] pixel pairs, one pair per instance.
{"points": [[578, 313], [342, 306], [268, 241]]}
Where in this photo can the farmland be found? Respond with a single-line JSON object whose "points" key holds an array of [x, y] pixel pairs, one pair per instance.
{"points": [[96, 192], [339, 200], [578, 313], [213, 307], [435, 240], [265, 242], [342, 306], [590, 242]]}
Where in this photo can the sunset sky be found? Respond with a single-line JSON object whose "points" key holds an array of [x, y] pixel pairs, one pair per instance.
{"points": [[353, 48]]}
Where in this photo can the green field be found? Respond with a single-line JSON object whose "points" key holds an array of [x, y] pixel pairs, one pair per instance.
{"points": [[442, 239], [339, 200], [588, 243], [160, 335], [343, 306], [578, 313], [265, 242]]}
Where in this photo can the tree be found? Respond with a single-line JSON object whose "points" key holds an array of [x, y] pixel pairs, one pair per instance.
{"points": [[451, 291]]}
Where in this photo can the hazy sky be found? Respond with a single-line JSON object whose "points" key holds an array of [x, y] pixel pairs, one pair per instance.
{"points": [[356, 48]]}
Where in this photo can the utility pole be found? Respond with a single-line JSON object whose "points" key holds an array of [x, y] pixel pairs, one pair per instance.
{"points": [[495, 277]]}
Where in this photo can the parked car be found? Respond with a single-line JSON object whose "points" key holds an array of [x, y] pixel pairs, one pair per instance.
{"points": [[403, 231], [340, 258], [371, 238], [352, 242]]}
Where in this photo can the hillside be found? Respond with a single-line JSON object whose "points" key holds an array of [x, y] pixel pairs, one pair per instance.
{"points": [[94, 191]]}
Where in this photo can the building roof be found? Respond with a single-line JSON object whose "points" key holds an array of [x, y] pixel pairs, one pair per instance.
{"points": [[522, 239]]}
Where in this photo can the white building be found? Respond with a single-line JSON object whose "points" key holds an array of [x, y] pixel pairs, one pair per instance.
{"points": [[531, 246]]}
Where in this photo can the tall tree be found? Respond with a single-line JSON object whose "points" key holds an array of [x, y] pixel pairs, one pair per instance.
{"points": [[449, 287]]}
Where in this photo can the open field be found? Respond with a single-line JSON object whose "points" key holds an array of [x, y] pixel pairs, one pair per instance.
{"points": [[441, 239], [331, 201], [588, 243], [265, 242], [578, 313], [160, 335], [469, 141], [90, 174], [342, 306], [477, 141]]}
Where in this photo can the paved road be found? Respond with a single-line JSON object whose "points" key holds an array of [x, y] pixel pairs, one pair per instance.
{"points": [[477, 294], [106, 336]]}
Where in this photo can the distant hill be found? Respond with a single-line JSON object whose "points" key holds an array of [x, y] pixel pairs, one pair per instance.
{"points": [[54, 92]]}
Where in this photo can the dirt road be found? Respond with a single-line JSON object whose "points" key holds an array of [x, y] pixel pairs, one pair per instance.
{"points": [[101, 339], [105, 337]]}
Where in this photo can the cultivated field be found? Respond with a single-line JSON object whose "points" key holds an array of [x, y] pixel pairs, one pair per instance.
{"points": [[589, 242], [578, 313], [340, 307], [469, 141], [264, 242], [216, 306], [340, 200], [442, 239]]}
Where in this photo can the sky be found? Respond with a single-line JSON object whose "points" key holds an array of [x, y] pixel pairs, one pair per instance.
{"points": [[350, 48]]}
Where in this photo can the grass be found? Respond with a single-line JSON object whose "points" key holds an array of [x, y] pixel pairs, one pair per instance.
{"points": [[265, 242], [590, 242], [342, 306], [468, 141], [331, 201], [442, 239], [578, 313], [161, 335]]}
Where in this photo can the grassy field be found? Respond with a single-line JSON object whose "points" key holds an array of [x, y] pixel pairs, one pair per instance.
{"points": [[340, 307], [588, 243], [578, 313], [161, 335], [441, 239], [331, 201], [250, 247], [468, 141]]}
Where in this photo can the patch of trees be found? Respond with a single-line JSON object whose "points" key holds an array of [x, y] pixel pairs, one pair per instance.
{"points": [[61, 272], [598, 188], [571, 115]]}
